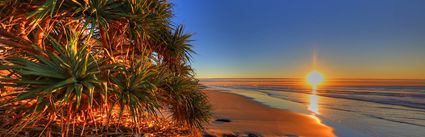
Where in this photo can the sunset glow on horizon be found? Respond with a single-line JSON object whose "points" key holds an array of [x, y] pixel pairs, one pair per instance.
{"points": [[314, 78], [385, 40]]}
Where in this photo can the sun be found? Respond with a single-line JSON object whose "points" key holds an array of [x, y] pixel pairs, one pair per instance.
{"points": [[314, 78]]}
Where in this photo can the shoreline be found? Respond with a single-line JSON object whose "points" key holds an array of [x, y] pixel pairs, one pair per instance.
{"points": [[239, 115]]}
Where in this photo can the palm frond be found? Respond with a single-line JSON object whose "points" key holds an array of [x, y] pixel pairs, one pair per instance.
{"points": [[60, 80]]}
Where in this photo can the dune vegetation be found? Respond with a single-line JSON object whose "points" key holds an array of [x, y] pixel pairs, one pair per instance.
{"points": [[96, 67]]}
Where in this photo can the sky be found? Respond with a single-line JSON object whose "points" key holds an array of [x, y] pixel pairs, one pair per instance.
{"points": [[276, 38]]}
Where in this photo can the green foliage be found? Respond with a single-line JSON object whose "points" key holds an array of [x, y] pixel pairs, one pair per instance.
{"points": [[178, 47], [186, 102], [67, 77], [136, 88], [76, 58]]}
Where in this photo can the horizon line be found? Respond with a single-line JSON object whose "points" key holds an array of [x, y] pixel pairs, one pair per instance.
{"points": [[304, 78]]}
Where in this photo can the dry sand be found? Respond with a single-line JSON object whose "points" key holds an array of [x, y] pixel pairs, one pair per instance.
{"points": [[248, 116]]}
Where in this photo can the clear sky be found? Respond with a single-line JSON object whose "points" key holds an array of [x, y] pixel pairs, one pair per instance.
{"points": [[276, 38]]}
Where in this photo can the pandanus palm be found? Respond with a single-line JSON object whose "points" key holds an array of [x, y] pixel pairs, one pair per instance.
{"points": [[135, 86], [72, 57], [64, 81], [185, 102]]}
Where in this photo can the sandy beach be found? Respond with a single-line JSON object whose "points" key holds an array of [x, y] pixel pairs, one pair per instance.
{"points": [[249, 117]]}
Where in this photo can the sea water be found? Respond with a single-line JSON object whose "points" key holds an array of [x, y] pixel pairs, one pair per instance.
{"points": [[353, 107]]}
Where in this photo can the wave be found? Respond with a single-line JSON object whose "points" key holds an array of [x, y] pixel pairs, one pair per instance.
{"points": [[398, 121], [412, 97]]}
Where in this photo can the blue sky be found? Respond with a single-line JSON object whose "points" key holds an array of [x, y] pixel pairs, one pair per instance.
{"points": [[275, 38]]}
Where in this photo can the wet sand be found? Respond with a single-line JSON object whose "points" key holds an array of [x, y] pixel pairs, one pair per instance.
{"points": [[247, 116]]}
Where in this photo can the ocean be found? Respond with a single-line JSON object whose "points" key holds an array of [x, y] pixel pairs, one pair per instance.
{"points": [[353, 107]]}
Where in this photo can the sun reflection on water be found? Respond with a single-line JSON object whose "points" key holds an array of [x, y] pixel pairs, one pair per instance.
{"points": [[314, 78], [314, 102]]}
